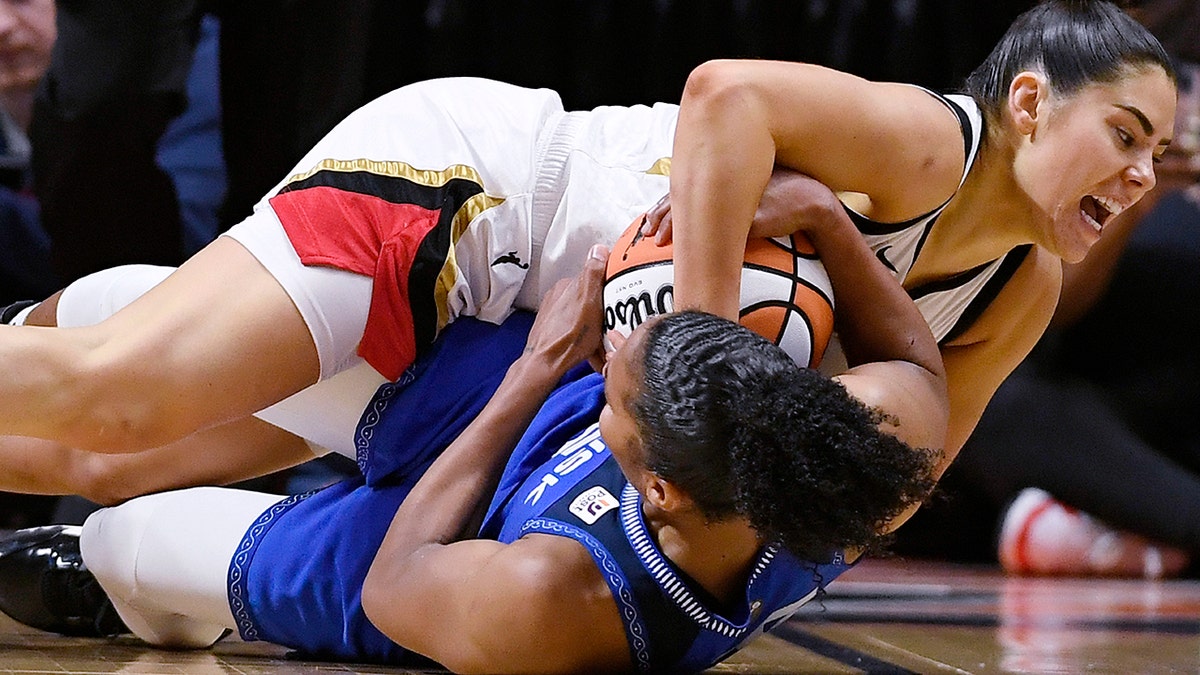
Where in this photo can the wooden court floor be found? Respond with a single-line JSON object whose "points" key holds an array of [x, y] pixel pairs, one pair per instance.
{"points": [[888, 616]]}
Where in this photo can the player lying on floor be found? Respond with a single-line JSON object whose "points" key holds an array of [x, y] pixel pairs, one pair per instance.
{"points": [[656, 519], [468, 197]]}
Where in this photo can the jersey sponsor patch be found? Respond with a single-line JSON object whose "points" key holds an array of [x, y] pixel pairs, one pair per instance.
{"points": [[592, 504]]}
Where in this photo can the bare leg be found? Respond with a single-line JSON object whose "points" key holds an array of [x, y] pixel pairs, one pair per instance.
{"points": [[325, 414], [233, 452], [216, 341], [236, 451], [164, 560]]}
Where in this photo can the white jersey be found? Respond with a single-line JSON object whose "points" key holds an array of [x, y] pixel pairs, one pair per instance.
{"points": [[952, 304], [948, 305]]}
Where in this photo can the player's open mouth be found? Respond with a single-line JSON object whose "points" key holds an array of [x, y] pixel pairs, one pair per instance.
{"points": [[1097, 211]]}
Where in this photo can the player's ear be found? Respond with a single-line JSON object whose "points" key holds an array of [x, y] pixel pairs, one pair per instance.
{"points": [[1026, 93], [664, 494]]}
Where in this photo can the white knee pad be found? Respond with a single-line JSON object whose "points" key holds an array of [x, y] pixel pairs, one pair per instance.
{"points": [[164, 560], [96, 297], [109, 544]]}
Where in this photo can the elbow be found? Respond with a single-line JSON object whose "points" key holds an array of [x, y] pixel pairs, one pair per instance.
{"points": [[393, 613], [384, 602], [374, 602], [715, 85]]}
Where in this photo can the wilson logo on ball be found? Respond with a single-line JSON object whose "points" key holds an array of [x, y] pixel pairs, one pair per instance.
{"points": [[637, 297]]}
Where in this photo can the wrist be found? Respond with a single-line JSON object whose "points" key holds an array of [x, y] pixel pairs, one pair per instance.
{"points": [[826, 215], [536, 371]]}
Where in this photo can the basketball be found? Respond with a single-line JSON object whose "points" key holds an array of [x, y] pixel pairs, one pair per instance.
{"points": [[785, 296]]}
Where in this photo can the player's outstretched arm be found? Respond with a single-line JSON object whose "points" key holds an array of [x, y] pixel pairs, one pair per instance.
{"points": [[895, 363], [476, 605]]}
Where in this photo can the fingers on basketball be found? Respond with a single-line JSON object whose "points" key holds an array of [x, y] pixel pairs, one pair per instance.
{"points": [[785, 293]]}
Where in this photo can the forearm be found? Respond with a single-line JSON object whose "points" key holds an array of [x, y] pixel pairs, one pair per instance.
{"points": [[722, 159], [449, 497], [876, 321]]}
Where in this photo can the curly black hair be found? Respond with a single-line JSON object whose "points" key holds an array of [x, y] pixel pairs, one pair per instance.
{"points": [[732, 420]]}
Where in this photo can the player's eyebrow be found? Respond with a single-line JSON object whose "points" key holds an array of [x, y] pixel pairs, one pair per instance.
{"points": [[1141, 117]]}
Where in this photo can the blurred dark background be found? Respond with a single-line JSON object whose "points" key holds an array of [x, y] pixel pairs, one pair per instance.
{"points": [[597, 52]]}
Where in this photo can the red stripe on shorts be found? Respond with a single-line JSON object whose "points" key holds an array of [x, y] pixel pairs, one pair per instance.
{"points": [[367, 235]]}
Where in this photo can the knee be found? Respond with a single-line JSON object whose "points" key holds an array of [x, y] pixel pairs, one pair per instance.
{"points": [[109, 542], [106, 479], [716, 83]]}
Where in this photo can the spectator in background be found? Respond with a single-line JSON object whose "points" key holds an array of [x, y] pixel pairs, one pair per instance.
{"points": [[26, 37], [1088, 458], [189, 152], [289, 69], [190, 149]]}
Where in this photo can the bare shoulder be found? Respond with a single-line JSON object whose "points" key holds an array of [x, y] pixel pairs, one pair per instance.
{"points": [[912, 139], [568, 620], [894, 142]]}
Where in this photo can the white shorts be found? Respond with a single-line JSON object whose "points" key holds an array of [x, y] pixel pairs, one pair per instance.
{"points": [[445, 198], [456, 196]]}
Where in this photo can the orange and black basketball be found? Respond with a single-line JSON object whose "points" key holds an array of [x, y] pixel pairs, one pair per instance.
{"points": [[785, 296]]}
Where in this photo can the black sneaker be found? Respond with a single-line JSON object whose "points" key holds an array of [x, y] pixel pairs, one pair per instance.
{"points": [[45, 585], [7, 314]]}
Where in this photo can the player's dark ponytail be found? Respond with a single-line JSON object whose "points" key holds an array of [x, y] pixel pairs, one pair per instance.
{"points": [[1074, 43]]}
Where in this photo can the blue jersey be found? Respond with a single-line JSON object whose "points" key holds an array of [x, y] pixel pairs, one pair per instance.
{"points": [[576, 490], [296, 580]]}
